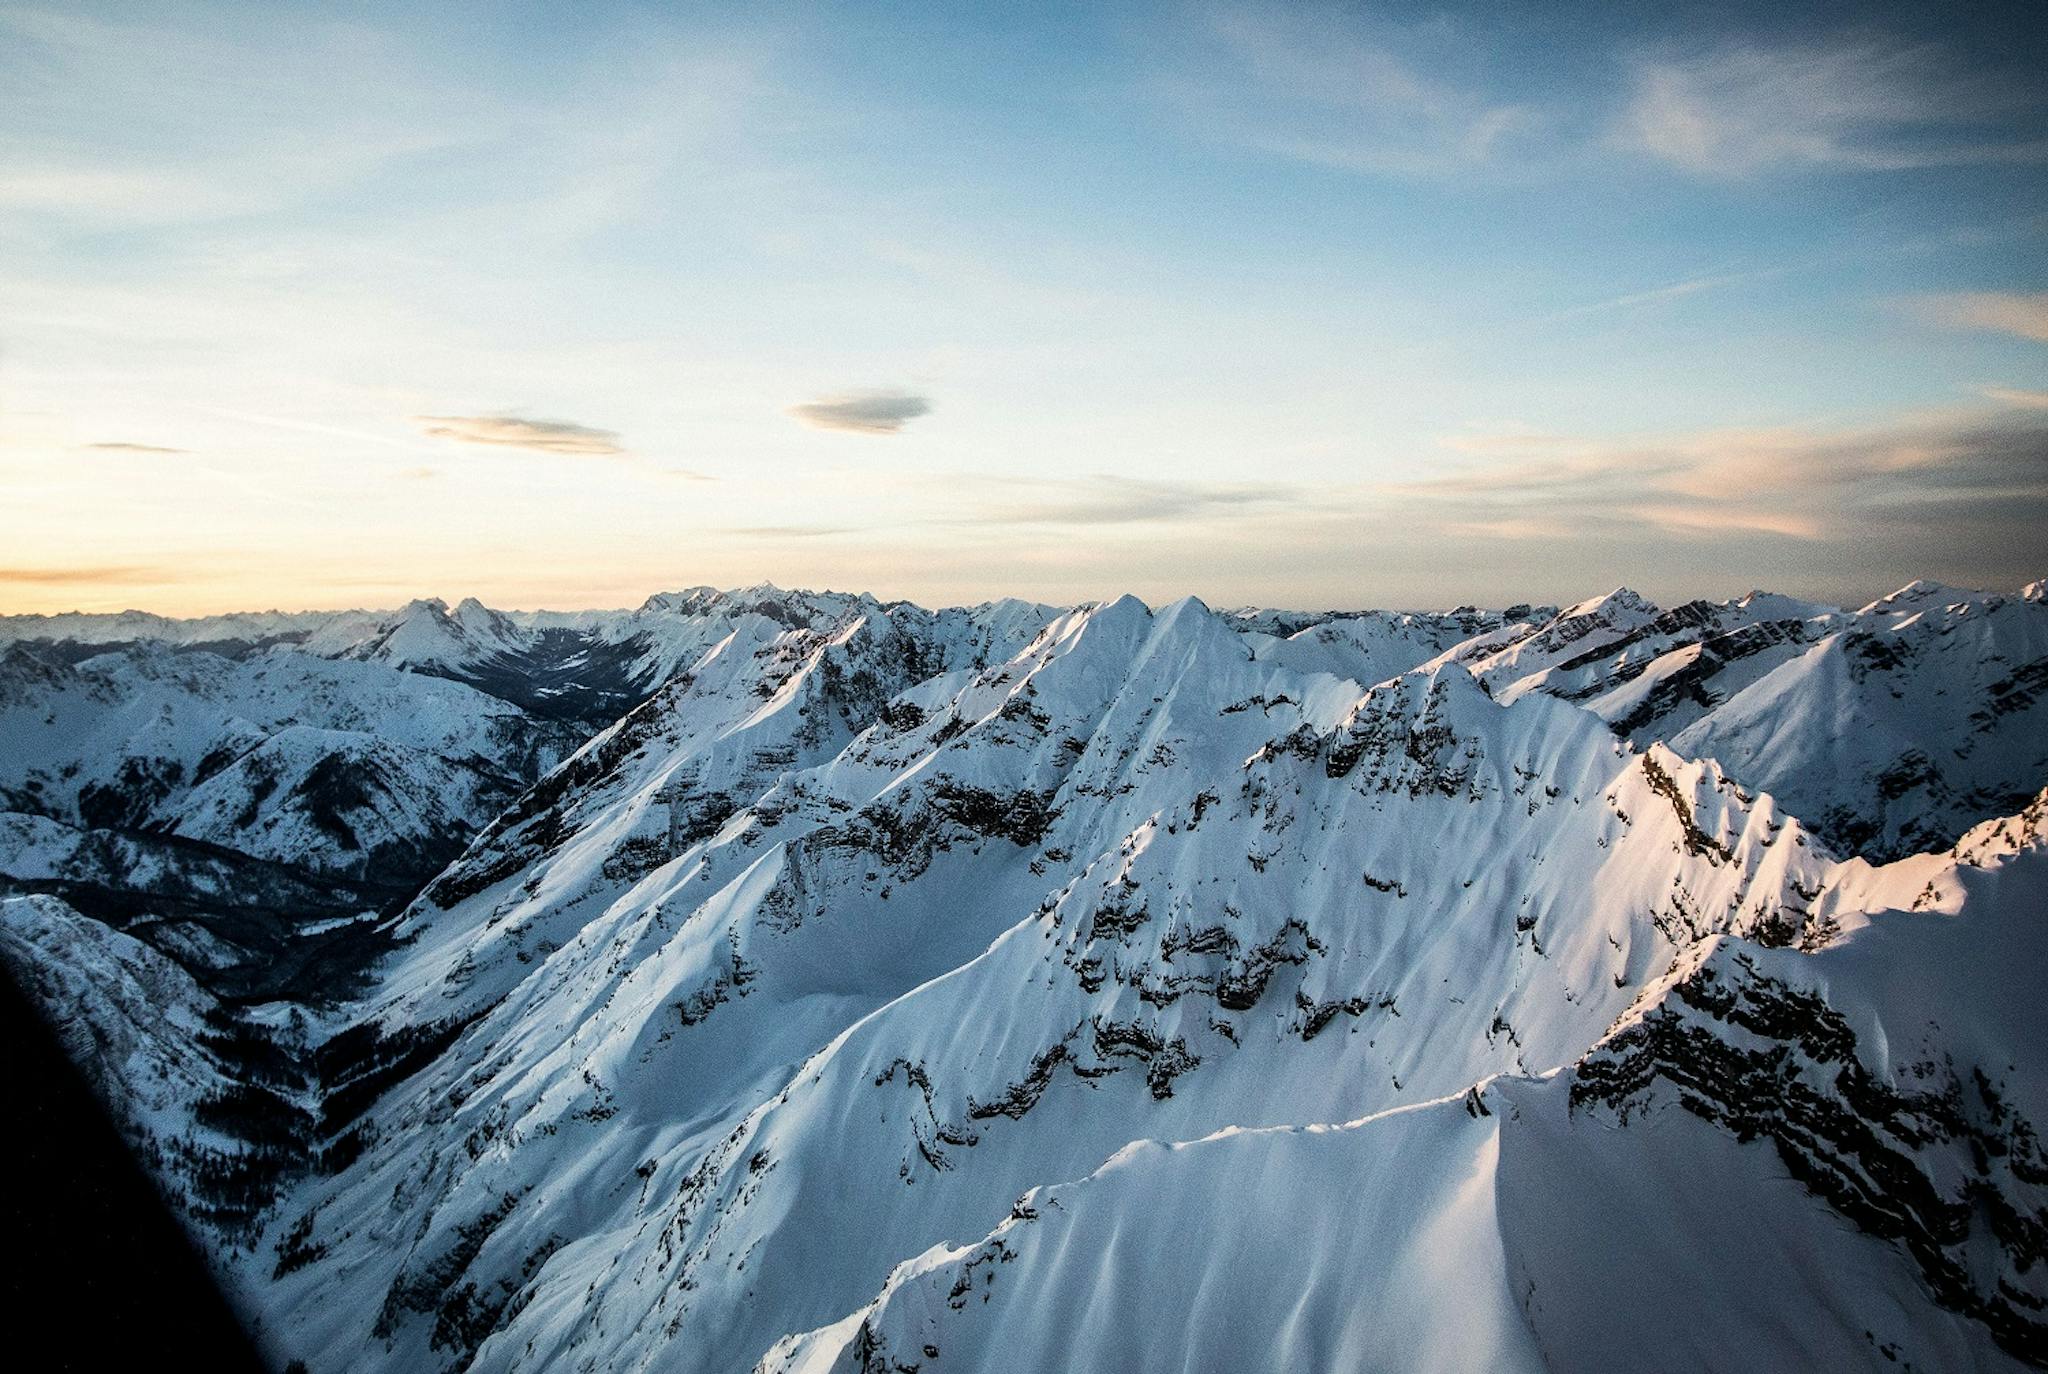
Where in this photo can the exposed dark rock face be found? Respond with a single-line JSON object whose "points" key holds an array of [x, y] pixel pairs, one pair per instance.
{"points": [[828, 905], [1697, 841], [1021, 1096], [1695, 681], [1020, 817], [1949, 1171], [1400, 735]]}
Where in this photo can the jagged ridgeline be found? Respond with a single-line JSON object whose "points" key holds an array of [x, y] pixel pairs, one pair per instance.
{"points": [[801, 981]]}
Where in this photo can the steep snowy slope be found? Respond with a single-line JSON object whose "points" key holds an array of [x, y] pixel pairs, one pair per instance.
{"points": [[584, 667], [1654, 673], [134, 1018], [242, 816], [219, 797], [208, 1099], [1890, 729], [1676, 1200], [1901, 729], [765, 701], [1672, 665], [362, 769], [1377, 645], [1518, 653], [331, 767], [1133, 883], [739, 1036]]}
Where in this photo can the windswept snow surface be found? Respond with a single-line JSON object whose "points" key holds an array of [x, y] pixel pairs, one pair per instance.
{"points": [[1891, 729], [1122, 988], [292, 778], [1679, 1194]]}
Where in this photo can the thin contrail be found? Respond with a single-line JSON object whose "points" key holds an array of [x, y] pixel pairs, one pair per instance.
{"points": [[307, 426]]}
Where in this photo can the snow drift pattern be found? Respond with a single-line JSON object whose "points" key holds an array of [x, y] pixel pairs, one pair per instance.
{"points": [[987, 989]]}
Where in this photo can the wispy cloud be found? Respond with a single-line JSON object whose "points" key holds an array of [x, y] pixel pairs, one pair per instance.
{"points": [[1943, 477], [873, 412], [192, 147], [118, 446], [509, 431], [1511, 439], [1678, 290], [147, 196], [2016, 396], [1866, 104], [1707, 520], [2023, 313], [85, 576], [1109, 500], [1327, 87], [297, 426], [788, 531]]}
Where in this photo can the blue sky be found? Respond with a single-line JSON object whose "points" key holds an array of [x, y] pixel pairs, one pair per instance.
{"points": [[1310, 305]]}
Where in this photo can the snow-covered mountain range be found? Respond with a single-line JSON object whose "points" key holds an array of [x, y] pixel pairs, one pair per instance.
{"points": [[1092, 988]]}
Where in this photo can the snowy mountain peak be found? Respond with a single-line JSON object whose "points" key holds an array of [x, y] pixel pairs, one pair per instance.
{"points": [[1123, 605], [1622, 601], [735, 1039], [1763, 605], [1919, 594], [676, 602]]}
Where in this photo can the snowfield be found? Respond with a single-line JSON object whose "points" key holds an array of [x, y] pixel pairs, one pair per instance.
{"points": [[1109, 988]]}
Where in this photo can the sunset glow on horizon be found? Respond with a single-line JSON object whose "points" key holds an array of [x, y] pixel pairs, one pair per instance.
{"points": [[1268, 304]]}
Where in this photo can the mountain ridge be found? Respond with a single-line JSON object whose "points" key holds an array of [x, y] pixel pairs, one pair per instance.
{"points": [[754, 1016]]}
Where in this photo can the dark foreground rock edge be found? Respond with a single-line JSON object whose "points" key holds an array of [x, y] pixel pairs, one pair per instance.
{"points": [[99, 1275]]}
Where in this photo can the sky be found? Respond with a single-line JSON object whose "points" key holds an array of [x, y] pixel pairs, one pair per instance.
{"points": [[1322, 306]]}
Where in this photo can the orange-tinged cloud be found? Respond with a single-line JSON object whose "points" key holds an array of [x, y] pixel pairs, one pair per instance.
{"points": [[86, 576], [510, 431]]}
